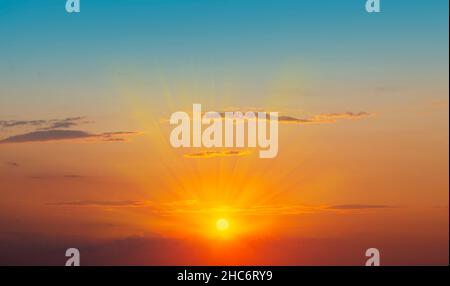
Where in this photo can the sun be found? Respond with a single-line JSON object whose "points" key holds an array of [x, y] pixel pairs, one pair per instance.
{"points": [[222, 224]]}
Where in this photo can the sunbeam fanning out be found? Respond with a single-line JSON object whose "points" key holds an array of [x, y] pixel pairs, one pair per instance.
{"points": [[227, 133]]}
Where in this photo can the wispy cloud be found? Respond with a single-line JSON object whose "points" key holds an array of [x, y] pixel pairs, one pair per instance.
{"points": [[12, 164], [56, 176], [195, 207], [64, 135], [215, 154], [64, 123], [288, 119], [15, 123], [57, 130], [185, 207], [45, 124], [358, 207], [324, 118], [49, 135], [210, 208], [94, 203], [118, 136]]}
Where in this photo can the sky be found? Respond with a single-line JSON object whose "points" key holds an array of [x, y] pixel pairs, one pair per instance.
{"points": [[86, 162]]}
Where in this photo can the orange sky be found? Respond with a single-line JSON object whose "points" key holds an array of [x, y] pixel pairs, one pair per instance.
{"points": [[326, 197], [363, 148]]}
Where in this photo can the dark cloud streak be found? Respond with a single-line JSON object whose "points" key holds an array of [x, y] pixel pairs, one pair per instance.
{"points": [[61, 135], [358, 207], [93, 203], [44, 124], [12, 164]]}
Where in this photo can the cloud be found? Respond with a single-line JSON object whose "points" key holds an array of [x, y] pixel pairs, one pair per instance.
{"points": [[207, 208], [12, 164], [325, 118], [358, 207], [115, 140], [61, 135], [71, 176], [173, 205], [60, 124], [117, 136], [59, 130], [93, 203], [14, 123], [49, 135], [184, 207], [215, 154], [53, 177], [44, 124], [288, 119], [109, 134]]}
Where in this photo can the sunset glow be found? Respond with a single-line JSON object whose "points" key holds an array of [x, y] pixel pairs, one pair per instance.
{"points": [[357, 157], [222, 224]]}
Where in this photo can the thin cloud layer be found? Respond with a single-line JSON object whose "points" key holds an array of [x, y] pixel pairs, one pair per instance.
{"points": [[195, 207], [325, 118], [63, 135], [49, 135], [12, 164], [184, 207], [56, 176], [44, 124], [57, 130], [15, 123], [358, 207], [288, 119], [215, 154], [93, 203]]}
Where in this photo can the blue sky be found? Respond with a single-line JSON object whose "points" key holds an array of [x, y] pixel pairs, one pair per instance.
{"points": [[249, 31], [250, 40]]}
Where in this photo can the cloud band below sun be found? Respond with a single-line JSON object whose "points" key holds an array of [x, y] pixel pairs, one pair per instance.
{"points": [[221, 153], [184, 207]]}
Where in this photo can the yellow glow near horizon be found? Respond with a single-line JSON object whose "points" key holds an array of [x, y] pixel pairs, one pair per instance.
{"points": [[222, 224]]}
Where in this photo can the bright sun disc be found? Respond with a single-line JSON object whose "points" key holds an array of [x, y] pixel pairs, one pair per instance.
{"points": [[222, 224]]}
